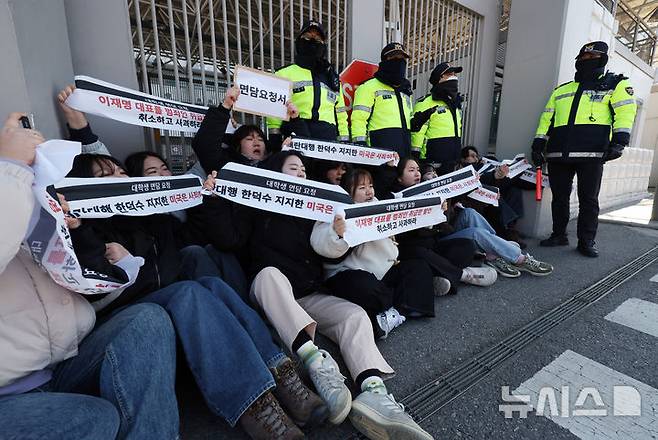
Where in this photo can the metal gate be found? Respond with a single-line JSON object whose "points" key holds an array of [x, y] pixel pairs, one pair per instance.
{"points": [[434, 31], [187, 49]]}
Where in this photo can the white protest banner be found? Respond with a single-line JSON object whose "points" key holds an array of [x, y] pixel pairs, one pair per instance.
{"points": [[516, 166], [133, 107], [487, 167], [49, 241], [102, 197], [262, 93], [449, 185], [373, 221], [338, 152], [280, 193], [531, 176], [486, 194]]}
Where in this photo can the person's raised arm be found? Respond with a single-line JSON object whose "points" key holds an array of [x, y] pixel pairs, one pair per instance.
{"points": [[208, 140], [79, 128]]}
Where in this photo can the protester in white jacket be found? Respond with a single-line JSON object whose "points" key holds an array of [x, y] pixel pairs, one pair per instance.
{"points": [[44, 362], [370, 274]]}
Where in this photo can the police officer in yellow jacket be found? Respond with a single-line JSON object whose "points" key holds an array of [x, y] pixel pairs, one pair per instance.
{"points": [[382, 106], [437, 123], [585, 123], [316, 91]]}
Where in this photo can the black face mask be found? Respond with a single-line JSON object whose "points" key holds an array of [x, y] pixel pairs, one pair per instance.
{"points": [[446, 89], [589, 70], [310, 54], [391, 72]]}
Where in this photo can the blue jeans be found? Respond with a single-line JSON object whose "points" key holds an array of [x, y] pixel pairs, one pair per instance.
{"points": [[207, 261], [129, 362], [226, 344], [470, 224]]}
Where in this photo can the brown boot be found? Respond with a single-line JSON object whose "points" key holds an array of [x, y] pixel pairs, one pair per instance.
{"points": [[265, 420], [304, 406]]}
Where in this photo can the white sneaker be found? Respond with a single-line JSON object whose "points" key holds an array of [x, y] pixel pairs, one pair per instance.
{"points": [[441, 286], [330, 385], [479, 276], [389, 319], [380, 417]]}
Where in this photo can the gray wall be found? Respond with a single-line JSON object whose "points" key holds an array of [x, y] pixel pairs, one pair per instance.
{"points": [[36, 60], [366, 27]]}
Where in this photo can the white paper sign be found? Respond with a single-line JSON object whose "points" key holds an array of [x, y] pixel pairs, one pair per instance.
{"points": [[486, 194], [133, 107], [516, 166], [133, 196], [531, 176], [376, 220], [449, 185], [262, 93], [335, 151], [280, 193]]}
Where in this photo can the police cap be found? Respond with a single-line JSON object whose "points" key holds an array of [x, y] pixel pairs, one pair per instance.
{"points": [[313, 24], [393, 49], [595, 47], [441, 69]]}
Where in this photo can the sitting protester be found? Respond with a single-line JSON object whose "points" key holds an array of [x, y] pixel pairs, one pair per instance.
{"points": [[288, 287], [451, 259], [220, 335], [370, 274], [61, 377]]}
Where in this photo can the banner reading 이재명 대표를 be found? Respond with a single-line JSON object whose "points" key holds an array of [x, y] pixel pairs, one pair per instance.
{"points": [[121, 104], [280, 193], [376, 220], [449, 185], [100, 197], [338, 152]]}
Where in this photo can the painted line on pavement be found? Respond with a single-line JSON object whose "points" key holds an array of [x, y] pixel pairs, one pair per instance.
{"points": [[637, 314]]}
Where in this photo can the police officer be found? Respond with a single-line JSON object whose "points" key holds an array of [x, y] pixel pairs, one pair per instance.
{"points": [[316, 91], [585, 123], [437, 123], [382, 106]]}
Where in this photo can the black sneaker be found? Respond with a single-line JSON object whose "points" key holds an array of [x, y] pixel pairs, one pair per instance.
{"points": [[555, 240], [588, 248]]}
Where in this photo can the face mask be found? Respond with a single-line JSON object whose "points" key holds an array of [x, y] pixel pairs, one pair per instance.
{"points": [[310, 53], [392, 72], [589, 70]]}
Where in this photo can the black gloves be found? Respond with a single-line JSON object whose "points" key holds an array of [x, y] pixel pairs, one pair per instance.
{"points": [[420, 118], [613, 152], [538, 152]]}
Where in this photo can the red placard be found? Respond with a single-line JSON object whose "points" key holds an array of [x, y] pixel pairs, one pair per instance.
{"points": [[354, 74]]}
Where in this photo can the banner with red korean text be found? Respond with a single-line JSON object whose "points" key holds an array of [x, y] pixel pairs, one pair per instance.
{"points": [[449, 185], [486, 194], [335, 151], [133, 107], [280, 193], [49, 240], [103, 197], [376, 220], [516, 166]]}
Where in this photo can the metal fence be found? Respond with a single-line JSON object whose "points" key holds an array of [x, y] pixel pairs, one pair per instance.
{"points": [[187, 49], [434, 31], [634, 32]]}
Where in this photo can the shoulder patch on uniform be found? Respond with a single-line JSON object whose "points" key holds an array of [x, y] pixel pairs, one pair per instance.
{"points": [[629, 90]]}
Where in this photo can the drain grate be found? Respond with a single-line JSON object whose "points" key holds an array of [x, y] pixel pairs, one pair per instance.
{"points": [[429, 399]]}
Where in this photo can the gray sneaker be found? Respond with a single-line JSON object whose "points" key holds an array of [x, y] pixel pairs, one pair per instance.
{"points": [[504, 268], [380, 417], [389, 320], [441, 286], [535, 267], [330, 385]]}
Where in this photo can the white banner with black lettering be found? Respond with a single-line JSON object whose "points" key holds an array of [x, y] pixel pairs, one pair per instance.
{"points": [[338, 152], [516, 166], [121, 104], [49, 240], [449, 185], [531, 177], [280, 193], [486, 194], [102, 197], [376, 220], [262, 93]]}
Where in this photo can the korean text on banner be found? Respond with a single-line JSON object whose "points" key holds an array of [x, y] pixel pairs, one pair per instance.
{"points": [[516, 166], [373, 221], [280, 193], [449, 185], [486, 194], [262, 93], [132, 196], [349, 153], [50, 242], [531, 177], [132, 107]]}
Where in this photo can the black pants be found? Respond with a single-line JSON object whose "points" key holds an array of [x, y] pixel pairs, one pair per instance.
{"points": [[560, 176], [407, 286]]}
